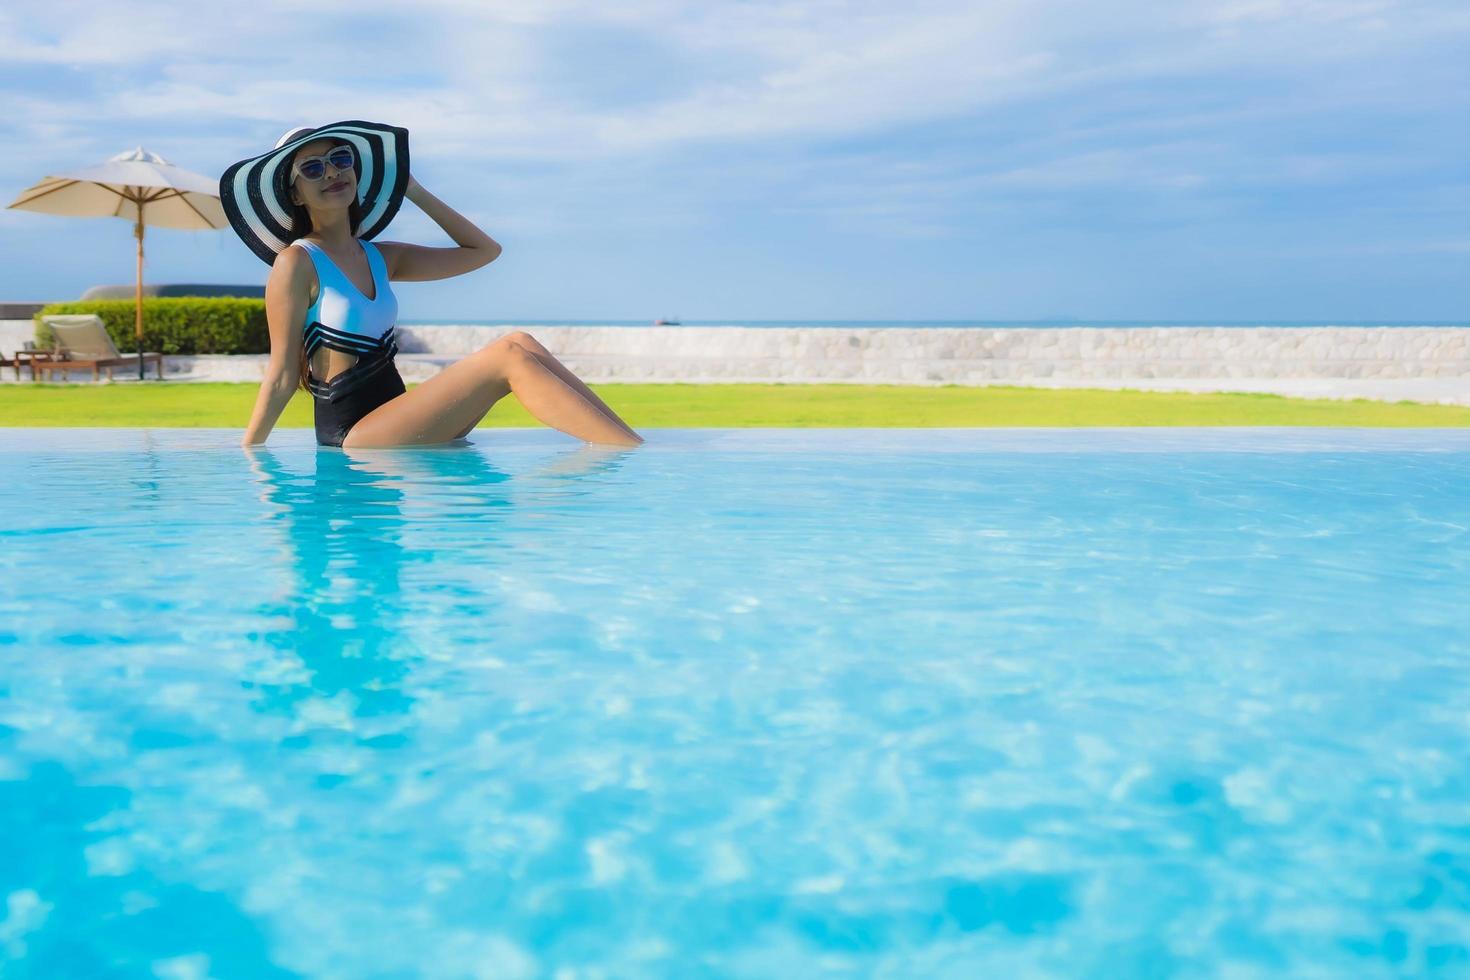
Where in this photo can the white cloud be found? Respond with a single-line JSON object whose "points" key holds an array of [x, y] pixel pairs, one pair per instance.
{"points": [[811, 70], [789, 104]]}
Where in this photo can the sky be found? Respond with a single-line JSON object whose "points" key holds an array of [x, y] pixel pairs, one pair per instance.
{"points": [[1205, 161]]}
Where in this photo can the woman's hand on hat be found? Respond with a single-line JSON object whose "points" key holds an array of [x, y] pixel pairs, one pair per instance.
{"points": [[413, 188]]}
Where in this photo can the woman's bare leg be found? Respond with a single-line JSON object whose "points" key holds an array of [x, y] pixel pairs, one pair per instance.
{"points": [[452, 401], [561, 371]]}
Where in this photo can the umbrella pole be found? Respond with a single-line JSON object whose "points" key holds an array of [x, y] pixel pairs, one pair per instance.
{"points": [[138, 319]]}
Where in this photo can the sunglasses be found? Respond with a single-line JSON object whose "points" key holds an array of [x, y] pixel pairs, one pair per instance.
{"points": [[315, 168]]}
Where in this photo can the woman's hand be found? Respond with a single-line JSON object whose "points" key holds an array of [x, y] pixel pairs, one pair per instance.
{"points": [[413, 188]]}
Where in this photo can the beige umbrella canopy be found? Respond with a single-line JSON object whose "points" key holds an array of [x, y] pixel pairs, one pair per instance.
{"points": [[140, 186]]}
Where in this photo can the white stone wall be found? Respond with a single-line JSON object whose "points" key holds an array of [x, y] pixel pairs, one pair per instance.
{"points": [[14, 333], [979, 355], [924, 356]]}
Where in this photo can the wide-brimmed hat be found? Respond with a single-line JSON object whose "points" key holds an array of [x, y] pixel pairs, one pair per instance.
{"points": [[254, 191]]}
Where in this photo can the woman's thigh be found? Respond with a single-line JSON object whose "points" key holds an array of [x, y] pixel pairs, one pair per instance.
{"points": [[441, 408]]}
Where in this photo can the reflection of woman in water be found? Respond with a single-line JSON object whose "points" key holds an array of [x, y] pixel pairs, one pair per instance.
{"points": [[339, 186], [339, 607], [345, 531]]}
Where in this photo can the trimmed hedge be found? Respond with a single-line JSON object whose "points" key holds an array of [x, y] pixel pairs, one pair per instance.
{"points": [[174, 325]]}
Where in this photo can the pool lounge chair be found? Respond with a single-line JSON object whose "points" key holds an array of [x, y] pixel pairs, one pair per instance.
{"points": [[84, 343]]}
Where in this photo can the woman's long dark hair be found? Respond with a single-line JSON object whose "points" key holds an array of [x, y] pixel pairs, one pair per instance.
{"points": [[301, 227]]}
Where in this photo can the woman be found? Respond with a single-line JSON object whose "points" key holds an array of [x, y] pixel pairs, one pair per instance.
{"points": [[331, 312]]}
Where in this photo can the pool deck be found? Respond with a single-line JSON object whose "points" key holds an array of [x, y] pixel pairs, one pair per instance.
{"points": [[807, 441]]}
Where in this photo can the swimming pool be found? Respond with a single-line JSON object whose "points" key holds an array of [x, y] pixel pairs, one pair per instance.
{"points": [[941, 703]]}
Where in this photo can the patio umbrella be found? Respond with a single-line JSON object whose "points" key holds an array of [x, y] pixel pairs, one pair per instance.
{"points": [[138, 185]]}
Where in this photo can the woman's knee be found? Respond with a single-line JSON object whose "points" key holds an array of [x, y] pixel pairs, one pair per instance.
{"points": [[499, 347], [511, 345], [503, 356]]}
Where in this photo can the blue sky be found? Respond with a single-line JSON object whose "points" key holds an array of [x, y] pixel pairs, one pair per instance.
{"points": [[1219, 160]]}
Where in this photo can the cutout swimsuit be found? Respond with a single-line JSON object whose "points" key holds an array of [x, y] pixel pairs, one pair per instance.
{"points": [[343, 319]]}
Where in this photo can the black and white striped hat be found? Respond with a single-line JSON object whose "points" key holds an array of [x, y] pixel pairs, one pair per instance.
{"points": [[254, 191]]}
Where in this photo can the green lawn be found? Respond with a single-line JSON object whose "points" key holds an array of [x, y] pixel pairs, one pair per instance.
{"points": [[794, 405]]}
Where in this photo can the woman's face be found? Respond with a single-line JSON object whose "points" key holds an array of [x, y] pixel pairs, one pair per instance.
{"points": [[336, 189]]}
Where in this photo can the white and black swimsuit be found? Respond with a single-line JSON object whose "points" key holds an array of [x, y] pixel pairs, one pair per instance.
{"points": [[343, 319]]}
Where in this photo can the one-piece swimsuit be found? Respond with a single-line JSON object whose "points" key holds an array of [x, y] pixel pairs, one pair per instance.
{"points": [[343, 319]]}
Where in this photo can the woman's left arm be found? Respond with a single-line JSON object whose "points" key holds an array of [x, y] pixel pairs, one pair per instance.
{"points": [[418, 263]]}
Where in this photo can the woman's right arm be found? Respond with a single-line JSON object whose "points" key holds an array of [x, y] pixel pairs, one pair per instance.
{"points": [[287, 296]]}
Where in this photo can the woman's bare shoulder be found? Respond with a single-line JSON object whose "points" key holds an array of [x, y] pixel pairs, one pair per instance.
{"points": [[295, 268]]}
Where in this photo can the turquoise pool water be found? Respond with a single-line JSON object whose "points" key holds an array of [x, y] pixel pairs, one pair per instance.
{"points": [[939, 703]]}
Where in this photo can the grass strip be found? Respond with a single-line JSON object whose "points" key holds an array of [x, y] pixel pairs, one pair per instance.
{"points": [[221, 404]]}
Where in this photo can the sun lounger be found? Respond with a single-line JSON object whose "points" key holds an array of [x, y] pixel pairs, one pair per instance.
{"points": [[83, 342]]}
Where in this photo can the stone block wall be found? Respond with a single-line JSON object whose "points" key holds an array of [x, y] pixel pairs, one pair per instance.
{"points": [[937, 355], [979, 355]]}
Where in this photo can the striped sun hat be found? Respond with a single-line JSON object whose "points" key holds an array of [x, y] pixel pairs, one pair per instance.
{"points": [[253, 191]]}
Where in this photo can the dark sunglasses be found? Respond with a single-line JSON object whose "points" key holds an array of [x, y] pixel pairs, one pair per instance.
{"points": [[315, 168]]}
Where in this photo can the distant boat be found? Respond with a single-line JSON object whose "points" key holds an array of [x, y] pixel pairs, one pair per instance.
{"points": [[670, 322]]}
